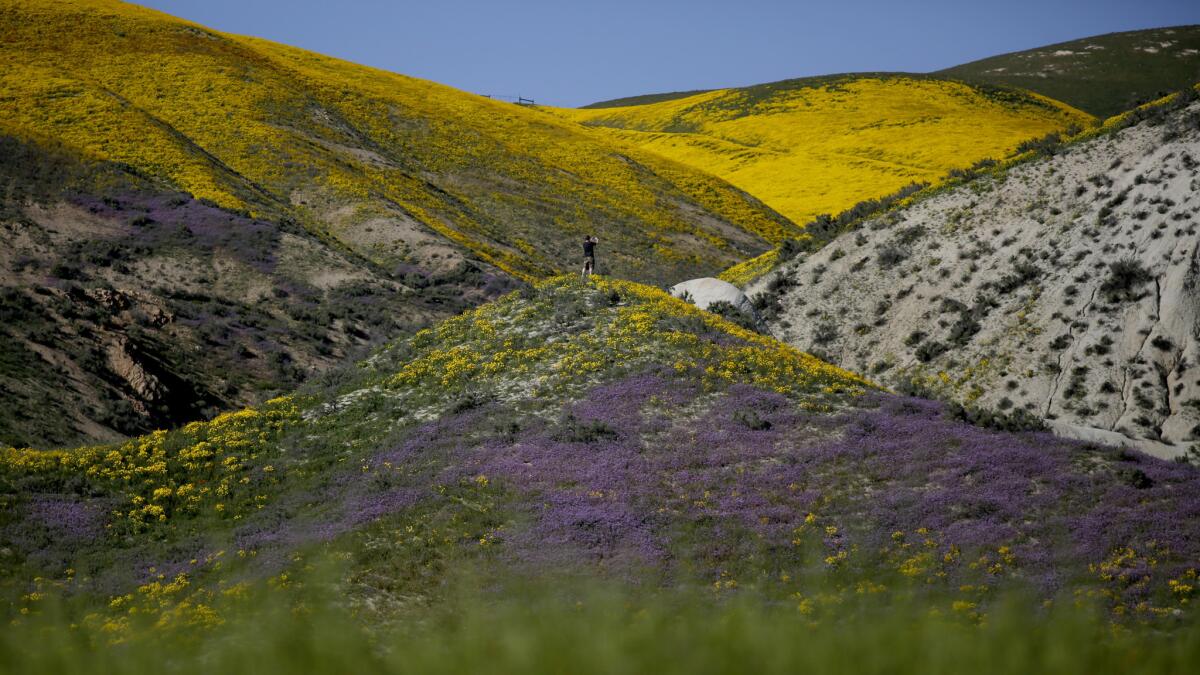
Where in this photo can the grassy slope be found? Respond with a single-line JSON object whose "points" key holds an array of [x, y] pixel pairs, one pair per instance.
{"points": [[819, 145], [588, 429], [1103, 74], [599, 632], [397, 168]]}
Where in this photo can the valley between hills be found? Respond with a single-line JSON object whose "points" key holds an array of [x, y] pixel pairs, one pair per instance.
{"points": [[291, 342]]}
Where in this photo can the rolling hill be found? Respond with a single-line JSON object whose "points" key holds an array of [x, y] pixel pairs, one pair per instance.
{"points": [[820, 145], [586, 430], [1103, 74], [1062, 286], [126, 307], [192, 222], [398, 170], [446, 422]]}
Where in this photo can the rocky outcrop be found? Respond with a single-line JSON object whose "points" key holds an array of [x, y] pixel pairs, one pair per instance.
{"points": [[135, 310], [125, 365], [1066, 287], [704, 292]]}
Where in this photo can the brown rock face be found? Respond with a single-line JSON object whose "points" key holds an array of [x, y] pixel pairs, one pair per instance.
{"points": [[124, 364]]}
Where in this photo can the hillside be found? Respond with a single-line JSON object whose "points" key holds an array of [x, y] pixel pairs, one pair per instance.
{"points": [[819, 145], [298, 373], [603, 430], [399, 170], [1103, 74], [129, 308], [1063, 287], [192, 222]]}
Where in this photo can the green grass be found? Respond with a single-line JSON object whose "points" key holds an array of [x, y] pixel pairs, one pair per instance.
{"points": [[757, 92], [582, 627], [1118, 71], [644, 99], [1104, 81]]}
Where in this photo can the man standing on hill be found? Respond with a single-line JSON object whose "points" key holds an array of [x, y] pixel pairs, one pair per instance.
{"points": [[589, 255]]}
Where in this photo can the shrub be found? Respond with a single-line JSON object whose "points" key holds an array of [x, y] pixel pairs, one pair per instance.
{"points": [[769, 303], [1017, 420], [1022, 273], [731, 313], [470, 401], [751, 419], [964, 329], [1102, 346], [1125, 277], [1045, 145], [576, 430], [974, 171], [889, 256], [929, 351], [1075, 385], [1162, 343], [910, 234], [789, 249], [825, 333], [1137, 479]]}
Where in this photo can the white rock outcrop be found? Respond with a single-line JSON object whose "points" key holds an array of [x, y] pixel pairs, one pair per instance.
{"points": [[1068, 287], [707, 290]]}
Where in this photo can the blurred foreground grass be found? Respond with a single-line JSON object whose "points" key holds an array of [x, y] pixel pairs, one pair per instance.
{"points": [[567, 630]]}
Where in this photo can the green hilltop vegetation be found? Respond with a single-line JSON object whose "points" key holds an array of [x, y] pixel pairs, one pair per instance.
{"points": [[1103, 74], [643, 99], [753, 92]]}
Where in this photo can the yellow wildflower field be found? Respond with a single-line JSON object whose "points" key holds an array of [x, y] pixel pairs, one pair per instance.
{"points": [[381, 161], [806, 148], [494, 344]]}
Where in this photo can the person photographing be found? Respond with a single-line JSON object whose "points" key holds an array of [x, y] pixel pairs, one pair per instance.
{"points": [[589, 255]]}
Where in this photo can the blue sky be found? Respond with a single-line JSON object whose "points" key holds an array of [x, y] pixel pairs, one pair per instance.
{"points": [[564, 52]]}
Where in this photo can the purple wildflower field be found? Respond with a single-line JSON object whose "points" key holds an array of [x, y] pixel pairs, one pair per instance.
{"points": [[653, 474], [158, 220], [647, 473]]}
